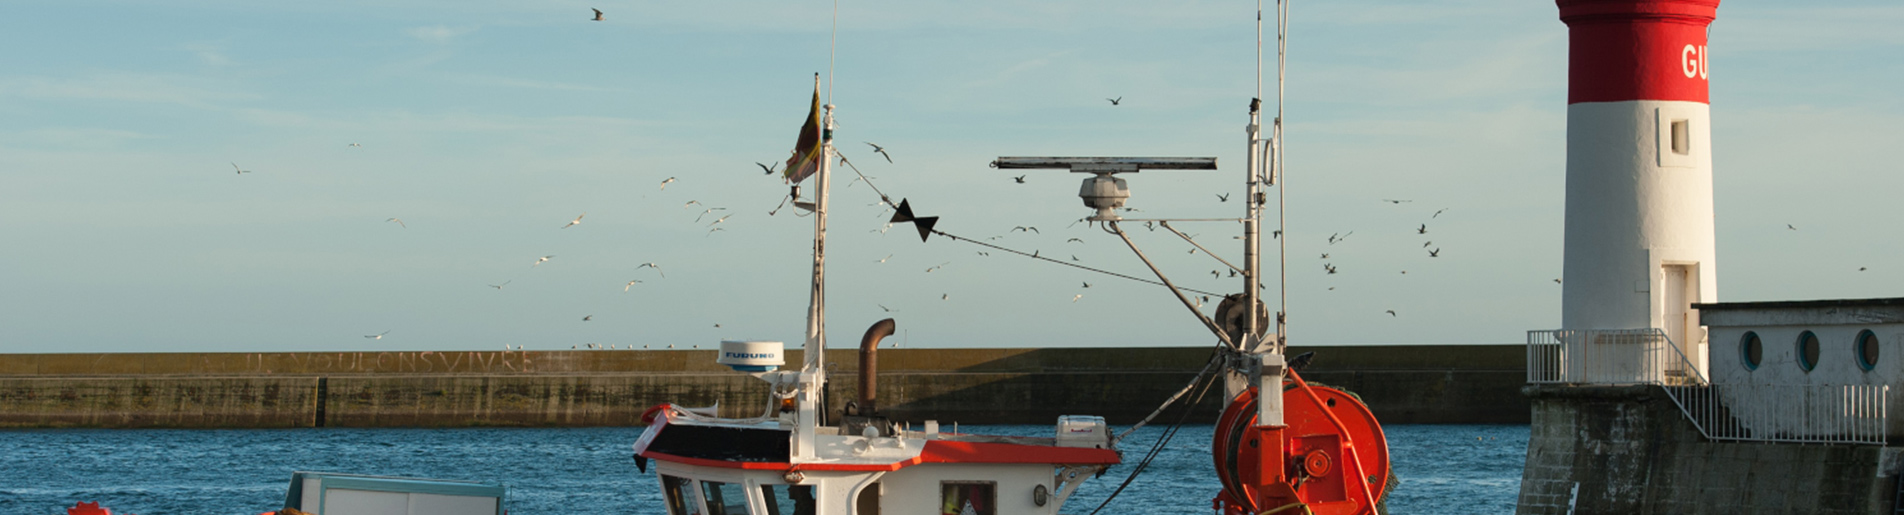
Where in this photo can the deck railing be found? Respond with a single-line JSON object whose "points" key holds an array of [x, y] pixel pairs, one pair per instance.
{"points": [[1608, 356], [1854, 414]]}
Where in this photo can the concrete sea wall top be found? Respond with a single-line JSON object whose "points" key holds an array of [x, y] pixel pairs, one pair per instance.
{"points": [[1345, 358]]}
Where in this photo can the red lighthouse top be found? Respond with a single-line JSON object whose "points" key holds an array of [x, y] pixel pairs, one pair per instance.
{"points": [[1621, 50]]}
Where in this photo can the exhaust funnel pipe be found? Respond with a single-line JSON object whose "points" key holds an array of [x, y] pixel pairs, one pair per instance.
{"points": [[869, 365]]}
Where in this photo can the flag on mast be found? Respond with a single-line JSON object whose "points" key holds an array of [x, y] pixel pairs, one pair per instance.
{"points": [[807, 150]]}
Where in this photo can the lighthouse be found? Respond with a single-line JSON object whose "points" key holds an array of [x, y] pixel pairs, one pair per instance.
{"points": [[1639, 216]]}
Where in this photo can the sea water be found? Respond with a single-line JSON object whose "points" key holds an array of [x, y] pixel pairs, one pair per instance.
{"points": [[1443, 469]]}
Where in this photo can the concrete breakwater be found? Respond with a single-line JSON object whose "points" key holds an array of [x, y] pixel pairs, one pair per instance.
{"points": [[1401, 384]]}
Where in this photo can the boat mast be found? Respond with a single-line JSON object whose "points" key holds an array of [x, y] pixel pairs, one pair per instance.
{"points": [[813, 370]]}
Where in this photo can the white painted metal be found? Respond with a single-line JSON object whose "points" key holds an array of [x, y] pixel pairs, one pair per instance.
{"points": [[1635, 205], [1617, 356], [1083, 431], [752, 356], [813, 372], [1800, 413]]}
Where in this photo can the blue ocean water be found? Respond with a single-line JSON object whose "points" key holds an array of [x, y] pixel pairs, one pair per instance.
{"points": [[1444, 469]]}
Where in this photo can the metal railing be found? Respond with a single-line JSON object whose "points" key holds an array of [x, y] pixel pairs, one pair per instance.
{"points": [[1854, 414], [1608, 356], [1799, 413]]}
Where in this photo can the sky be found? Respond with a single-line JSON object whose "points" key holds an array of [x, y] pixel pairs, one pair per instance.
{"points": [[487, 126]]}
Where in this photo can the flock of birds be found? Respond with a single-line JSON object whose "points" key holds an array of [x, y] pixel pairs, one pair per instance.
{"points": [[722, 214]]}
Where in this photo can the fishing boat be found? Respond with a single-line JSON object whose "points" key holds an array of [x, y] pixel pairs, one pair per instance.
{"points": [[791, 461], [1305, 449]]}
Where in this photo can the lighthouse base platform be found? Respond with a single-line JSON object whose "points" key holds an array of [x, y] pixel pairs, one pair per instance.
{"points": [[1628, 449]]}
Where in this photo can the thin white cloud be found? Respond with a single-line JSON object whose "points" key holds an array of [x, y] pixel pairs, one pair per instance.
{"points": [[126, 87], [438, 34], [208, 54]]}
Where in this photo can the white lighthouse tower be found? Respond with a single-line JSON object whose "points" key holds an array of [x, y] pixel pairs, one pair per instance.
{"points": [[1639, 217]]}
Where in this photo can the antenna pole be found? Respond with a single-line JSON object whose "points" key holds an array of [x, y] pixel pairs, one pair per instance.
{"points": [[1276, 172]]}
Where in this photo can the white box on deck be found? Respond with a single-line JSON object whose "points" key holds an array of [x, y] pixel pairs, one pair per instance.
{"points": [[321, 493], [1083, 431]]}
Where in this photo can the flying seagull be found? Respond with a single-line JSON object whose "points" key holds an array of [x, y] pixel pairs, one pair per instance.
{"points": [[1074, 298], [1223, 197], [689, 203], [1435, 253], [1115, 101], [939, 266], [664, 183], [234, 166], [398, 221], [358, 145], [1394, 201], [577, 220], [1325, 255], [768, 169], [697, 219], [1087, 285], [378, 336], [631, 284], [1422, 230], [1391, 312], [598, 14], [1079, 240], [504, 283], [586, 318], [883, 307], [1438, 213], [657, 268], [888, 256], [1025, 228], [881, 150], [1425, 244], [1020, 179], [1789, 226], [540, 260]]}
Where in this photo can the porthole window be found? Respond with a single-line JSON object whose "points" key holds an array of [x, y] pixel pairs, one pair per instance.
{"points": [[1808, 350], [1867, 350], [1751, 350]]}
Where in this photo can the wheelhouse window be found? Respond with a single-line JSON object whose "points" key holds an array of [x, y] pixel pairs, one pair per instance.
{"points": [[1808, 349], [1751, 350], [679, 493], [1867, 350], [724, 498], [968, 498], [788, 499]]}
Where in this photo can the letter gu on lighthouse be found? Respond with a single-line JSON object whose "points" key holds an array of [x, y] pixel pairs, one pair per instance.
{"points": [[1639, 228]]}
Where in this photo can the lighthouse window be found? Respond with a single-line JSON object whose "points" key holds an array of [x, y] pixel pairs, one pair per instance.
{"points": [[968, 498], [1808, 351], [1867, 350], [1682, 138], [1751, 350]]}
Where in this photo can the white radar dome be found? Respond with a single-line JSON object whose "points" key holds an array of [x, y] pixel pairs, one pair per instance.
{"points": [[752, 356]]}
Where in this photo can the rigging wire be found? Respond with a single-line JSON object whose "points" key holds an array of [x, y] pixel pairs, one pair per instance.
{"points": [[1216, 356], [1157, 448], [1072, 265], [889, 202]]}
